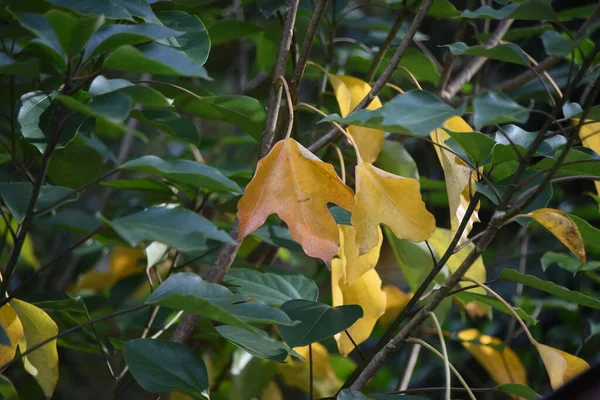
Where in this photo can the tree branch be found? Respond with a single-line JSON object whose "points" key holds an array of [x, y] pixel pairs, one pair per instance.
{"points": [[386, 44]]}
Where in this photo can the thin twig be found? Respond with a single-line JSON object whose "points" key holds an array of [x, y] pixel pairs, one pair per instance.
{"points": [[438, 328], [410, 367], [386, 44]]}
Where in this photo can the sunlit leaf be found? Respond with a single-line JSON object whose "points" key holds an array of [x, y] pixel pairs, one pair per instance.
{"points": [[561, 366], [560, 225], [13, 328], [396, 301]]}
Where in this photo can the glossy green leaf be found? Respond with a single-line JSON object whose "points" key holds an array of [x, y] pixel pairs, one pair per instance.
{"points": [[270, 288], [154, 58], [534, 10], [550, 288], [556, 44], [163, 366], [277, 236], [245, 112], [567, 262], [184, 171], [475, 144], [194, 42], [512, 139], [467, 297], [169, 122], [518, 390], [73, 32], [46, 38], [577, 163], [492, 108], [16, 196], [33, 105], [258, 344], [317, 321], [181, 229], [509, 52], [139, 94], [109, 110], [421, 113], [591, 235], [112, 9]]}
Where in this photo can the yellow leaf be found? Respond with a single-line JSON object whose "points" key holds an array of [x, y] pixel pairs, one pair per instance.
{"points": [[180, 396], [271, 392], [14, 330], [295, 373], [563, 227], [349, 91], [590, 138], [458, 176], [561, 366], [294, 184], [440, 241], [364, 291], [386, 198], [42, 363], [504, 366], [356, 265], [396, 300]]}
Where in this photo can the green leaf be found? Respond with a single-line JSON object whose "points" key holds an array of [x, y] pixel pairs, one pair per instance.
{"points": [[111, 9], [567, 262], [556, 44], [421, 113], [227, 30], [181, 229], [395, 159], [518, 390], [4, 339], [112, 36], [509, 52], [169, 122], [467, 297], [46, 38], [277, 236], [550, 288], [570, 110], [154, 58], [317, 321], [7, 389], [270, 288], [33, 105], [443, 9], [139, 184], [258, 344], [591, 235], [534, 10], [73, 220], [504, 151], [492, 108], [89, 164], [163, 366], [258, 313], [16, 196], [29, 68], [109, 110], [73, 32], [477, 145], [184, 171], [582, 164], [244, 112], [194, 42], [139, 94], [414, 258]]}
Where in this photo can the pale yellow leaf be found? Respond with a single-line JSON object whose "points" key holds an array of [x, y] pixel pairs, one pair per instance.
{"points": [[563, 228], [349, 91], [561, 366], [271, 392], [458, 176], [356, 264], [365, 291], [42, 363], [295, 373], [386, 198], [396, 300], [503, 366], [14, 330], [590, 138]]}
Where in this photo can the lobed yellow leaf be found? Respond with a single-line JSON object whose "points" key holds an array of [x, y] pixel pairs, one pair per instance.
{"points": [[458, 176], [271, 392], [364, 291], [386, 198], [590, 138], [42, 363], [349, 91], [355, 264], [503, 366], [396, 300], [14, 330], [563, 228], [561, 366], [296, 185], [296, 373]]}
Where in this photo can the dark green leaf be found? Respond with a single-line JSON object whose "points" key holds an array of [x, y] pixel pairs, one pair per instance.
{"points": [[4, 339], [414, 258], [33, 105], [549, 287], [577, 163], [73, 220], [341, 216], [227, 30], [535, 10], [496, 304], [421, 113], [395, 159], [317, 321], [163, 366], [109, 110], [181, 229], [112, 9], [89, 162], [154, 58], [7, 389], [556, 44], [518, 390], [139, 94], [509, 52], [29, 68], [269, 288], [504, 151], [245, 112], [277, 236], [475, 144], [170, 122], [591, 235], [443, 9], [258, 313], [112, 36], [492, 108], [16, 196], [46, 39], [139, 184], [258, 344], [73, 32], [567, 262], [184, 171], [194, 42]]}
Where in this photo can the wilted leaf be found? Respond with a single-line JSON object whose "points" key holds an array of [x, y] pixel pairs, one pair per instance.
{"points": [[458, 176], [11, 324], [502, 363], [364, 289], [42, 363], [294, 184], [561, 366], [563, 228], [382, 197], [349, 91], [395, 302]]}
